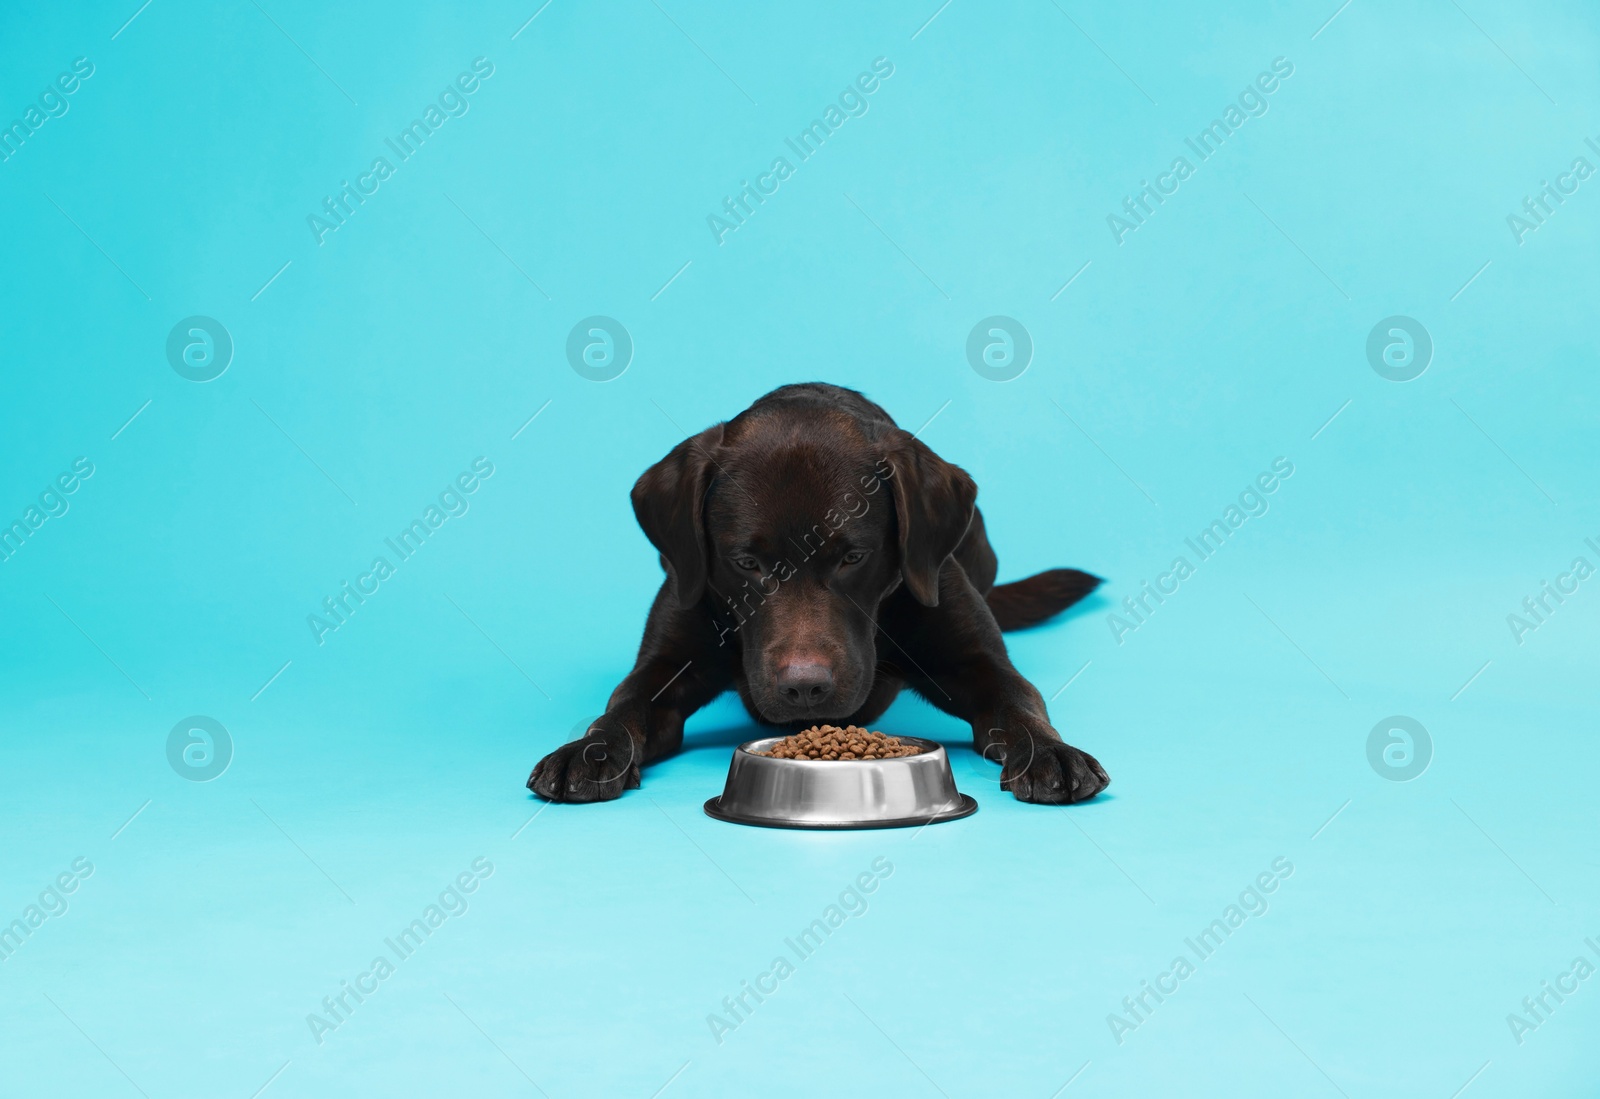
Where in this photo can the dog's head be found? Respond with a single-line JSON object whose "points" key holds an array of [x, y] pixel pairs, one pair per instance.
{"points": [[793, 529]]}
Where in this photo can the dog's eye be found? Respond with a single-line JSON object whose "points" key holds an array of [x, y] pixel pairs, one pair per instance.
{"points": [[749, 564], [855, 557]]}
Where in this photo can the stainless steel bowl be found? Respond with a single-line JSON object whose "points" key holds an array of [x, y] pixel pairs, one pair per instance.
{"points": [[843, 793]]}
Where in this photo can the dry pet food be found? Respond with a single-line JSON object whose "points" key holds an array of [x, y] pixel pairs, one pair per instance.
{"points": [[832, 742]]}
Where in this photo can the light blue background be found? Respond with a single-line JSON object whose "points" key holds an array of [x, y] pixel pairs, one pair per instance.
{"points": [[1222, 334]]}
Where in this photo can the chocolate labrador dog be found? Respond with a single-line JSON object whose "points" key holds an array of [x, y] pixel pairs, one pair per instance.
{"points": [[818, 559]]}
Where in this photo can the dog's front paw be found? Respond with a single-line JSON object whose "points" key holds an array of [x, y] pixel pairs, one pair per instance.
{"points": [[597, 767], [1049, 772]]}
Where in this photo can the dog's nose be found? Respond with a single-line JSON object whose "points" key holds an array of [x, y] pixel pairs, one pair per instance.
{"points": [[805, 682]]}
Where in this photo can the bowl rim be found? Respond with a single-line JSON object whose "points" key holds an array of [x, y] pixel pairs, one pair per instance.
{"points": [[933, 749]]}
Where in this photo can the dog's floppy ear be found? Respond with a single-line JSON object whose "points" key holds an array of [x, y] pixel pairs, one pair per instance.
{"points": [[934, 502], [669, 502]]}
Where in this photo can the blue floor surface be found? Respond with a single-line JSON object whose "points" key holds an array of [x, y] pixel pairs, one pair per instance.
{"points": [[1127, 266]]}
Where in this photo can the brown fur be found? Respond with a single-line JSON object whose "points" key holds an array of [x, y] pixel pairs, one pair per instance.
{"points": [[818, 559]]}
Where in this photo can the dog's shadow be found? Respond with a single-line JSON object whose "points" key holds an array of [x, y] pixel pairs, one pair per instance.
{"points": [[730, 736]]}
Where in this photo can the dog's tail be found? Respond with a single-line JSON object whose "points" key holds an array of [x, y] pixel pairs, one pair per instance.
{"points": [[1024, 603]]}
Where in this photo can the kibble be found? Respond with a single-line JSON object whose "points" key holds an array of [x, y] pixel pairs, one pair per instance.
{"points": [[830, 742]]}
